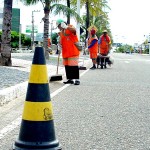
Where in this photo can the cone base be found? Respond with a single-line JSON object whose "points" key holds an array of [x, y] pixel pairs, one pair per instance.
{"points": [[18, 145]]}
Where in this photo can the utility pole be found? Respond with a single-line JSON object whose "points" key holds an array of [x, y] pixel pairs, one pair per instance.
{"points": [[32, 31], [33, 28], [20, 37]]}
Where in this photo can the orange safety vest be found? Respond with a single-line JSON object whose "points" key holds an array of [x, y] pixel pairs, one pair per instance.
{"points": [[104, 44], [49, 42], [94, 48], [67, 40]]}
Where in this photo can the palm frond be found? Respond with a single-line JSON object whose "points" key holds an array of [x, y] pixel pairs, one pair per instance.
{"points": [[30, 2], [59, 8]]}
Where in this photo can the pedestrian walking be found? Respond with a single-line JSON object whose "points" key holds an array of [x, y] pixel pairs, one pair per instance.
{"points": [[93, 46], [70, 53]]}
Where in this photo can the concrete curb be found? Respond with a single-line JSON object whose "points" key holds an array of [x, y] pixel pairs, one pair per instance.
{"points": [[13, 92]]}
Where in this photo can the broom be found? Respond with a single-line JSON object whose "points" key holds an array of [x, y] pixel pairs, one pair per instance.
{"points": [[56, 77]]}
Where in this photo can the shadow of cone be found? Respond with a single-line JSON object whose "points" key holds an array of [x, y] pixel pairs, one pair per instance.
{"points": [[37, 126]]}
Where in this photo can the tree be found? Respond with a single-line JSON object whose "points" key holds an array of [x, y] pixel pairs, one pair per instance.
{"points": [[101, 22], [25, 40], [68, 16], [67, 11], [87, 17], [5, 57], [48, 7], [94, 9]]}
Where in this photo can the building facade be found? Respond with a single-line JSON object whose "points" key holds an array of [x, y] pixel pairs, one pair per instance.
{"points": [[15, 26], [1, 18]]}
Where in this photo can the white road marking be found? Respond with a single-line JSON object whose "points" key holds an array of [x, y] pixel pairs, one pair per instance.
{"points": [[127, 62], [14, 124], [10, 127]]}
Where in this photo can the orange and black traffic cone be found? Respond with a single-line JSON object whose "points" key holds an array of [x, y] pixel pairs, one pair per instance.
{"points": [[37, 126]]}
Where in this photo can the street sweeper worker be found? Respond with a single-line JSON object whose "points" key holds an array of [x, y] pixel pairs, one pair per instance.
{"points": [[104, 43], [70, 53], [93, 47], [49, 45], [49, 42]]}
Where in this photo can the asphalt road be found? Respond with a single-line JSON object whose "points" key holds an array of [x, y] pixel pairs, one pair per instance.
{"points": [[110, 110]]}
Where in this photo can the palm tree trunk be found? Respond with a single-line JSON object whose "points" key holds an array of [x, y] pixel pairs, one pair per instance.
{"points": [[87, 17], [68, 16], [5, 57], [46, 29]]}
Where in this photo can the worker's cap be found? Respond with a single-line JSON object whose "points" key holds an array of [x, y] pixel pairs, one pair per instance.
{"points": [[58, 22], [104, 31]]}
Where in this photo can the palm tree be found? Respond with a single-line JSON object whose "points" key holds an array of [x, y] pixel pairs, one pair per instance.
{"points": [[48, 7], [88, 17], [67, 11], [94, 8], [5, 58], [68, 16]]}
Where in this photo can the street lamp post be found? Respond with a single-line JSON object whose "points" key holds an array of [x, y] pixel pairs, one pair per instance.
{"points": [[32, 45]]}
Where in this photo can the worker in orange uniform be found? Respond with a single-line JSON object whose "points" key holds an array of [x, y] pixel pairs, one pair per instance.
{"points": [[49, 45], [104, 44], [70, 53], [49, 42], [93, 47]]}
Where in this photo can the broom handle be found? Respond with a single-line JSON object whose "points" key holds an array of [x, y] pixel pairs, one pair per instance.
{"points": [[57, 63]]}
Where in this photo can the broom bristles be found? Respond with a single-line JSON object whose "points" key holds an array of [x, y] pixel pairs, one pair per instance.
{"points": [[56, 78]]}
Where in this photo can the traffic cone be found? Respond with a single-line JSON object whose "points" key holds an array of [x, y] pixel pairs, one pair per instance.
{"points": [[37, 126]]}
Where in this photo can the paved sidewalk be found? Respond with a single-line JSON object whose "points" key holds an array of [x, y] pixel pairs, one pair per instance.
{"points": [[14, 80]]}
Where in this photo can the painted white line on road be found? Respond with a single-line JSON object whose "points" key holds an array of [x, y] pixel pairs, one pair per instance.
{"points": [[127, 62], [10, 127], [65, 86], [14, 124]]}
